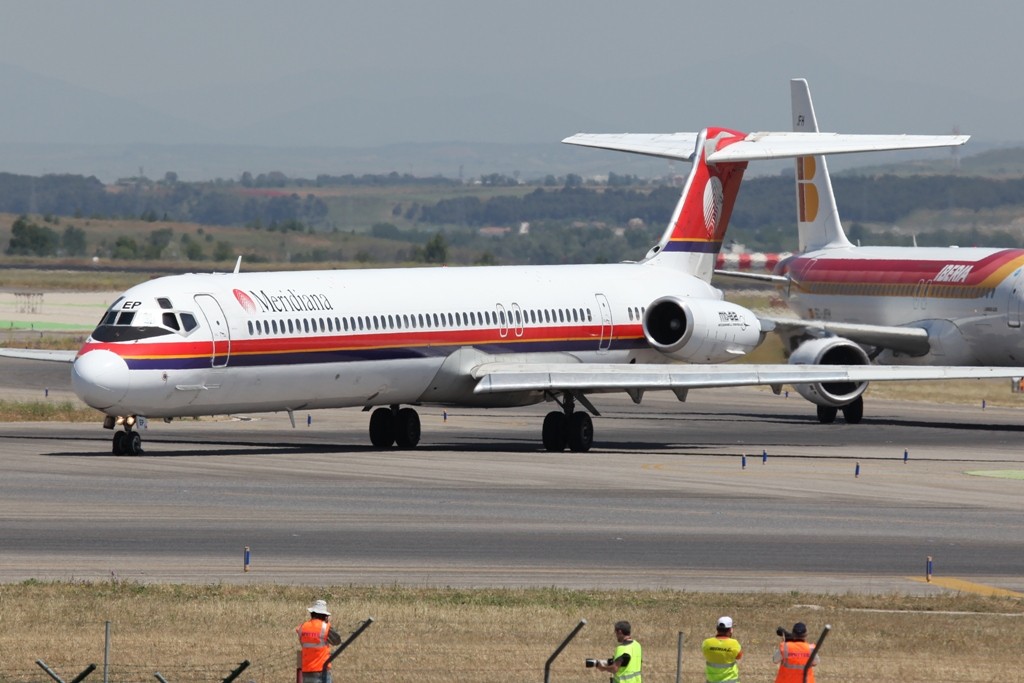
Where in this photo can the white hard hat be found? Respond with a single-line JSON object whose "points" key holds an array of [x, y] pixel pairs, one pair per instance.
{"points": [[319, 607]]}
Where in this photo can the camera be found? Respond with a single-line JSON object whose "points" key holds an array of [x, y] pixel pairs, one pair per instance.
{"points": [[783, 633], [594, 662]]}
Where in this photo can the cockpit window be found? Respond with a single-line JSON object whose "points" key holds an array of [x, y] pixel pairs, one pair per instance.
{"points": [[120, 325]]}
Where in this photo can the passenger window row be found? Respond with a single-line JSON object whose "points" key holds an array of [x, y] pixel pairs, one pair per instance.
{"points": [[412, 321]]}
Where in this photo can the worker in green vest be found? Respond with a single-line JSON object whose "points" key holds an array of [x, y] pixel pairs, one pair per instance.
{"points": [[722, 653], [625, 665]]}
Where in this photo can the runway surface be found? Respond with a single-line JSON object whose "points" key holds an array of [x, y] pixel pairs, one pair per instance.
{"points": [[663, 500]]}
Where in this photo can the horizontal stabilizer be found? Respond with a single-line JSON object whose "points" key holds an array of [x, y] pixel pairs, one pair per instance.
{"points": [[764, 278], [758, 146], [667, 145]]}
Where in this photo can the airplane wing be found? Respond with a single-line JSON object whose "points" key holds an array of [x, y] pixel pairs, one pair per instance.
{"points": [[40, 354], [757, 146], [510, 377], [911, 340]]}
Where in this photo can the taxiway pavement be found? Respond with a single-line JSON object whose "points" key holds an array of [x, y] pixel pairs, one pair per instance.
{"points": [[663, 500]]}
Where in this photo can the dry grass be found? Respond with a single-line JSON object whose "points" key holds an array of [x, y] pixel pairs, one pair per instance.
{"points": [[192, 633], [46, 411]]}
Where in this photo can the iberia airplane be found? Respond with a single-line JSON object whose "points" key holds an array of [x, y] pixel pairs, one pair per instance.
{"points": [[892, 305], [386, 340]]}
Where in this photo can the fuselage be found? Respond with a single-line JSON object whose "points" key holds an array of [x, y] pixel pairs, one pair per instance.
{"points": [[969, 299], [199, 344]]}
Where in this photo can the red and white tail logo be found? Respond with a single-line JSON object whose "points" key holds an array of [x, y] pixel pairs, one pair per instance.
{"points": [[701, 217]]}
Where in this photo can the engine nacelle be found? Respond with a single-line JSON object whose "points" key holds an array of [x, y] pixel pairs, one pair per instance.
{"points": [[830, 351], [701, 330]]}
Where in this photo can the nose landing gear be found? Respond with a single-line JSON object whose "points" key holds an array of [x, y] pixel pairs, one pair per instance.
{"points": [[127, 442]]}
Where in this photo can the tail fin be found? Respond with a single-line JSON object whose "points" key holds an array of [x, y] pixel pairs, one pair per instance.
{"points": [[693, 238], [817, 217]]}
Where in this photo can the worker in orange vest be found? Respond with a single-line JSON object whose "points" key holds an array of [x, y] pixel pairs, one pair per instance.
{"points": [[792, 655], [316, 638]]}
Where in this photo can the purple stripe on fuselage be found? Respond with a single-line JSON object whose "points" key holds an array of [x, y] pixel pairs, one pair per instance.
{"points": [[696, 247]]}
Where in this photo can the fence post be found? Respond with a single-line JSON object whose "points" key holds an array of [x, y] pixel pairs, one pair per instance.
{"points": [[814, 652], [679, 657], [77, 679], [49, 672], [341, 648], [558, 651], [237, 672], [106, 653]]}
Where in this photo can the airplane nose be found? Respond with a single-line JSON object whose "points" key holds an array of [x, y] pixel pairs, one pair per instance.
{"points": [[100, 378]]}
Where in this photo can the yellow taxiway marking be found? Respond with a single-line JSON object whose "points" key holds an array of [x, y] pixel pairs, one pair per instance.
{"points": [[969, 587]]}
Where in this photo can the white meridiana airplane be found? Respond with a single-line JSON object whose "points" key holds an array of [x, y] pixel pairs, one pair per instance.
{"points": [[890, 305], [211, 344]]}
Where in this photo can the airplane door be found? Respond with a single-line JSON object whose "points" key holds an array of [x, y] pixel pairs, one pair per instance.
{"points": [[502, 321], [220, 350], [519, 321], [606, 323], [921, 294], [1013, 303]]}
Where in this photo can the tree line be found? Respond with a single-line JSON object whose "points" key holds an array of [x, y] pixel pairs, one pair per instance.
{"points": [[208, 203], [570, 219]]}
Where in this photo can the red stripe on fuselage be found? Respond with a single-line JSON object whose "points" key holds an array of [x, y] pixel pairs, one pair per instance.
{"points": [[364, 341], [987, 271]]}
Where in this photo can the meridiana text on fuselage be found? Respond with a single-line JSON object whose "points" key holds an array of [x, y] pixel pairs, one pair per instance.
{"points": [[286, 301]]}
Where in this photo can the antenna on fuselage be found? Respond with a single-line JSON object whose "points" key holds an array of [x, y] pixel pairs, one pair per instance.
{"points": [[238, 264]]}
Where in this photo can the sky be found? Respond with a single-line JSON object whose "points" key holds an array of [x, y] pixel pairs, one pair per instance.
{"points": [[359, 74]]}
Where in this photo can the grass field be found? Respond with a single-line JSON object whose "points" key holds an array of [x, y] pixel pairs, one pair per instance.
{"points": [[200, 633]]}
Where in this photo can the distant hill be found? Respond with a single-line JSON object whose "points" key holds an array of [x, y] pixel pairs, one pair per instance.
{"points": [[994, 162]]}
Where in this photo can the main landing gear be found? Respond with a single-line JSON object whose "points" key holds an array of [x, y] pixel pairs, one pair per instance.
{"points": [[127, 442], [394, 425], [568, 428], [853, 412]]}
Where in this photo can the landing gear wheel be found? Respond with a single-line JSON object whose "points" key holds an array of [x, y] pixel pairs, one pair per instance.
{"points": [[553, 432], [827, 414], [581, 432], [854, 411], [133, 443], [407, 428], [382, 428], [120, 444]]}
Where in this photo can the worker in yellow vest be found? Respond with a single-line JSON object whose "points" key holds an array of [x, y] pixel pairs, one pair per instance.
{"points": [[625, 665], [316, 638], [792, 656], [722, 653]]}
